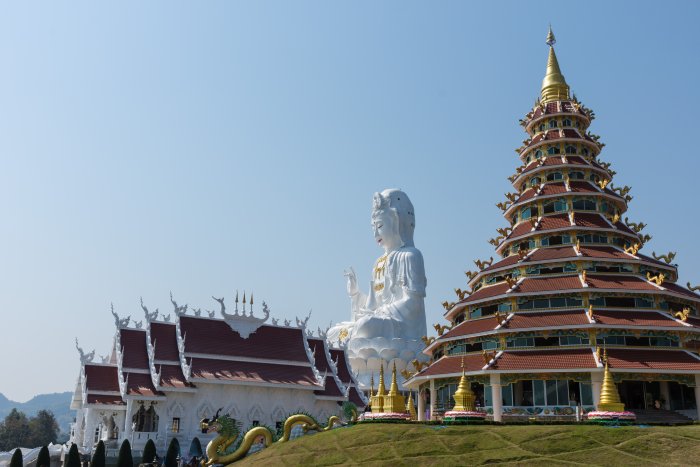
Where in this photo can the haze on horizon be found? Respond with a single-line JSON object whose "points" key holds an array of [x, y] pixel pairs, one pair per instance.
{"points": [[208, 148]]}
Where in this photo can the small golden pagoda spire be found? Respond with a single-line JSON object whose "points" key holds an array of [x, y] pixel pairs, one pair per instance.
{"points": [[609, 397], [371, 385], [381, 389], [410, 409], [554, 85], [464, 396], [394, 390]]}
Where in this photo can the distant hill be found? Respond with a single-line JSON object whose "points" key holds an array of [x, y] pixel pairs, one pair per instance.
{"points": [[58, 403]]}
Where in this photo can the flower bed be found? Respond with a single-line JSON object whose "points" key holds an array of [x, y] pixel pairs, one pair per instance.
{"points": [[599, 416], [462, 415], [386, 416]]}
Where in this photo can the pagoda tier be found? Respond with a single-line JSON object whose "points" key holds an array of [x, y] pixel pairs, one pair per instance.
{"points": [[570, 280]]}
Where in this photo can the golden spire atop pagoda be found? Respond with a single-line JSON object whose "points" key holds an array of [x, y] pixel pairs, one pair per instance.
{"points": [[410, 408], [394, 390], [609, 397], [381, 389], [394, 402], [554, 85]]}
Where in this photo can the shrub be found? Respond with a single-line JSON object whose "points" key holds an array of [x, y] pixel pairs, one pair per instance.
{"points": [[149, 452], [98, 457], [124, 459], [73, 456], [16, 460], [173, 453], [44, 459]]}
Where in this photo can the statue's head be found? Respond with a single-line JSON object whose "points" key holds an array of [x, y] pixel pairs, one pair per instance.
{"points": [[393, 219]]}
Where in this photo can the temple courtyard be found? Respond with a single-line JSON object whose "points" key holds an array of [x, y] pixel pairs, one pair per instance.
{"points": [[400, 444]]}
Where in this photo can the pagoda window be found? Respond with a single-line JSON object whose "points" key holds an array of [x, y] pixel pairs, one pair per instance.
{"points": [[611, 268], [576, 175], [528, 212], [507, 395], [554, 176], [527, 245], [520, 342], [552, 123], [594, 178], [584, 204], [557, 392], [553, 150], [538, 154], [585, 151], [489, 345], [554, 240], [578, 125], [542, 127], [534, 181], [641, 302], [460, 317], [662, 342], [566, 122], [572, 340], [557, 205], [555, 302], [546, 342], [571, 149]]}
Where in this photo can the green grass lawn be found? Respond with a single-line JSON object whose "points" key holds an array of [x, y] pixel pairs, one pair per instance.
{"points": [[420, 445]]}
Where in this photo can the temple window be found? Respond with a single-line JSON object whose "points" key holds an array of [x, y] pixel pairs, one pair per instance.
{"points": [[554, 302], [552, 123], [566, 122], [594, 178], [528, 212], [538, 154], [542, 126], [175, 426], [558, 205], [489, 345], [591, 238], [585, 151], [578, 125], [554, 176], [490, 309], [554, 240], [576, 175], [572, 340], [535, 181], [553, 150], [527, 245], [571, 149], [145, 420], [546, 342]]}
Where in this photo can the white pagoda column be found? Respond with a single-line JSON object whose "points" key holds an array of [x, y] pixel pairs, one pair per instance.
{"points": [[421, 405], [665, 395], [596, 385], [433, 399], [126, 433], [697, 394], [496, 397]]}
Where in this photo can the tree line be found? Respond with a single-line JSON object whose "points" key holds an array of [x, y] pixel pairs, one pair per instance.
{"points": [[18, 430]]}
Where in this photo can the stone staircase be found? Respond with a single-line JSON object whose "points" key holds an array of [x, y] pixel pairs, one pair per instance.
{"points": [[661, 417]]}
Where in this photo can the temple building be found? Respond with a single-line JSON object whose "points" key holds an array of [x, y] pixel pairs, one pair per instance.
{"points": [[570, 281], [161, 378]]}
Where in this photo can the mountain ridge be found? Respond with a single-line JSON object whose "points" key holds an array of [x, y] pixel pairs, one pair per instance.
{"points": [[56, 402]]}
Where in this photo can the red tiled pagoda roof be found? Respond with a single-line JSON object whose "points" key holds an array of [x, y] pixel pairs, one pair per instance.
{"points": [[101, 378], [671, 287], [591, 220], [338, 356], [453, 365], [551, 359], [471, 326], [557, 221], [134, 351], [163, 336], [355, 397], [547, 284], [604, 252], [253, 372], [215, 337], [320, 361], [487, 292], [544, 254], [553, 189], [642, 359], [596, 281], [546, 319], [634, 318]]}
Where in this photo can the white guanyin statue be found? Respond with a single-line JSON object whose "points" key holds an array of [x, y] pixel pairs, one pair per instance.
{"points": [[386, 325]]}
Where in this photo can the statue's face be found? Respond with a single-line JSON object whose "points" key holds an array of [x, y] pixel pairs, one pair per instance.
{"points": [[386, 230]]}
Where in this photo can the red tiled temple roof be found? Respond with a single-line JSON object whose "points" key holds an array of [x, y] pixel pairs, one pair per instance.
{"points": [[604, 252], [163, 336], [557, 221], [355, 397], [634, 318], [104, 400], [551, 359], [642, 359], [520, 229], [486, 292], [597, 281], [331, 389], [546, 319], [544, 254], [140, 384], [670, 286], [320, 361], [453, 365], [591, 220], [338, 356], [553, 189], [507, 261], [101, 378], [253, 372], [133, 342], [215, 337], [471, 326], [171, 377], [582, 187]]}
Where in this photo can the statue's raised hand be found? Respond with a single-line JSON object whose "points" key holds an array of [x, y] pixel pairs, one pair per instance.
{"points": [[351, 282]]}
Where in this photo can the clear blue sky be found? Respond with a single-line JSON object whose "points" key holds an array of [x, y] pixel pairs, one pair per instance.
{"points": [[204, 147]]}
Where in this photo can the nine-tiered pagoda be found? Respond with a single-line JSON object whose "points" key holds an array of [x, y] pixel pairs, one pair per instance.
{"points": [[570, 282]]}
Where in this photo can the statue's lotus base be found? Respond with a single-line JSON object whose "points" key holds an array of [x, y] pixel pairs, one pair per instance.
{"points": [[464, 416], [386, 416], [607, 416]]}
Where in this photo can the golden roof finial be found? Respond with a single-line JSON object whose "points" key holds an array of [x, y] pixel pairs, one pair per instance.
{"points": [[381, 389], [394, 390], [609, 397], [371, 385], [554, 85]]}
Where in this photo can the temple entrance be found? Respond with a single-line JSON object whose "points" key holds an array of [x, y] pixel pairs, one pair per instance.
{"points": [[639, 394]]}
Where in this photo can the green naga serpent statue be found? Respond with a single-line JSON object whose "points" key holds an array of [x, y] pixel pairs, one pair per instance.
{"points": [[228, 432]]}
